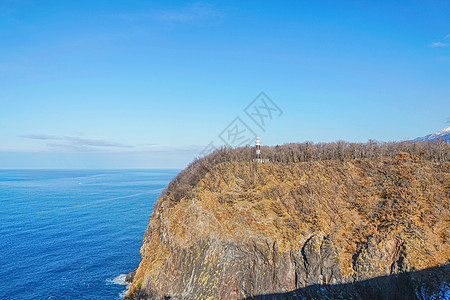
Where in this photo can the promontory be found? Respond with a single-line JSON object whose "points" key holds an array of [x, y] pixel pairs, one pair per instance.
{"points": [[312, 221]]}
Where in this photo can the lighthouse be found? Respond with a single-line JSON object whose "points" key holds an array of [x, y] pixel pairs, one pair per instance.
{"points": [[258, 152], [258, 148]]}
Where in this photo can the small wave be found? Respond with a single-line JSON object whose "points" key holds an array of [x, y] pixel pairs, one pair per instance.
{"points": [[118, 280], [123, 293]]}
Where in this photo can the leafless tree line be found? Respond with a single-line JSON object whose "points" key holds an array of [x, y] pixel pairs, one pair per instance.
{"points": [[303, 152]]}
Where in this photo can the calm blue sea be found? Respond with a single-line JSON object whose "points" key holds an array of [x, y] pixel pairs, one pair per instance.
{"points": [[73, 234]]}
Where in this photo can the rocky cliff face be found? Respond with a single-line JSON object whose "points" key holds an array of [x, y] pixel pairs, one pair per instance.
{"points": [[296, 229]]}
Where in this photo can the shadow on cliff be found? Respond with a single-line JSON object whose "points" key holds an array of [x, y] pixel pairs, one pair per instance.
{"points": [[431, 283]]}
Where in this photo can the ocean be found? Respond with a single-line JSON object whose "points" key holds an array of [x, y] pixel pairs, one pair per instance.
{"points": [[73, 234]]}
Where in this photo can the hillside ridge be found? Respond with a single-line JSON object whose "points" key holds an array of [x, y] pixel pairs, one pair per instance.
{"points": [[228, 228]]}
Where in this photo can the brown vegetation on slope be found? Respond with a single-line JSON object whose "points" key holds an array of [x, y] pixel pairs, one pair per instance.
{"points": [[182, 185], [382, 208]]}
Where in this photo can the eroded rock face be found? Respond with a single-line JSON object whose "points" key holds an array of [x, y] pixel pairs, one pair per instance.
{"points": [[296, 227], [236, 271]]}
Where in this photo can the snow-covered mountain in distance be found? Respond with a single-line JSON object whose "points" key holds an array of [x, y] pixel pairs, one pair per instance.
{"points": [[440, 135]]}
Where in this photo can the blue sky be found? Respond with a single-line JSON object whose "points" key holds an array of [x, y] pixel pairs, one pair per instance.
{"points": [[149, 84]]}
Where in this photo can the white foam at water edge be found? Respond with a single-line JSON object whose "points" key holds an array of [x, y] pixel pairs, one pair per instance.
{"points": [[123, 293], [118, 280]]}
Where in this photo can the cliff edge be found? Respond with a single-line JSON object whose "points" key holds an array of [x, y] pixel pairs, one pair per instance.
{"points": [[350, 221]]}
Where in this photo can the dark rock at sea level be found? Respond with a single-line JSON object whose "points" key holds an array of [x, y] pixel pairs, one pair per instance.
{"points": [[130, 276]]}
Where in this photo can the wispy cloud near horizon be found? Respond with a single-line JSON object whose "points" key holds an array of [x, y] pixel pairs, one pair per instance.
{"points": [[41, 137], [75, 143], [78, 144], [95, 142]]}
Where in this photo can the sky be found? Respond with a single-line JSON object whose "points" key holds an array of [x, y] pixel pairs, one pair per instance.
{"points": [[154, 84]]}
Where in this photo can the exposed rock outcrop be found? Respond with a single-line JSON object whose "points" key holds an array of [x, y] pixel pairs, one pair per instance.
{"points": [[130, 276], [287, 229]]}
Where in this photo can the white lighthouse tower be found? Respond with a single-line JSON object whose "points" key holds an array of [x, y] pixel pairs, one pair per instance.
{"points": [[258, 152], [258, 148]]}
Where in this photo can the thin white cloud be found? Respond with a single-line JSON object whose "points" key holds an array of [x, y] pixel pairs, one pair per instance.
{"points": [[447, 36], [93, 142], [438, 44], [76, 143], [41, 137]]}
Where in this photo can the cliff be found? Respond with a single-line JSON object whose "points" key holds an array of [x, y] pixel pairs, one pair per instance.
{"points": [[350, 226]]}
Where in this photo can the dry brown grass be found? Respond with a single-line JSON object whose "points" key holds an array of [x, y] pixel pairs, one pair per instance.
{"points": [[389, 200]]}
